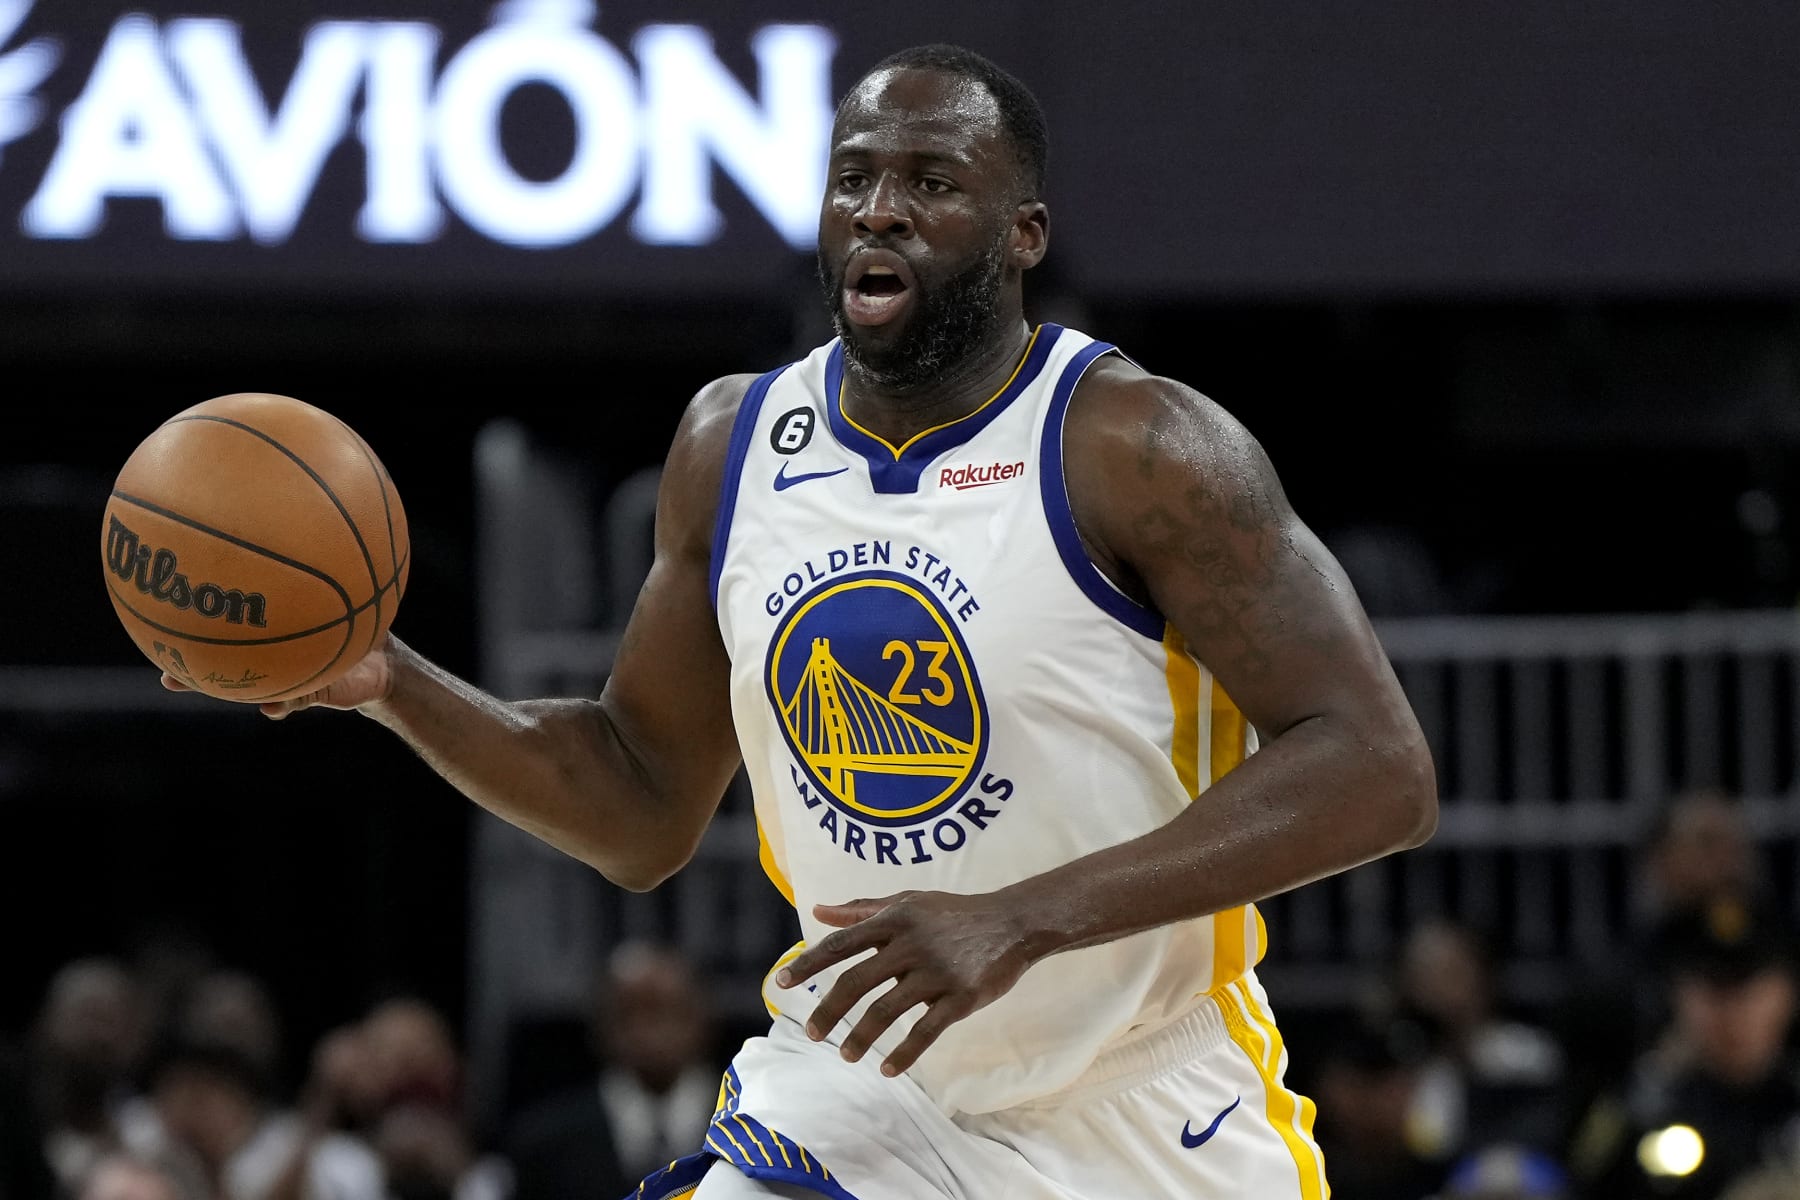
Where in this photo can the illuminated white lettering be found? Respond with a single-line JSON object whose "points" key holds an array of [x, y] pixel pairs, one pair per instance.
{"points": [[696, 113], [272, 161], [402, 204], [477, 179], [130, 133], [177, 114]]}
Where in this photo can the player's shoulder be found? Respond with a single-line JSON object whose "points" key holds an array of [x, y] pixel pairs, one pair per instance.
{"points": [[703, 439], [695, 467], [1122, 414], [707, 423]]}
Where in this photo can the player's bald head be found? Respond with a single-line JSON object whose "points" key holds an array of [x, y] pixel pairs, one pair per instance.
{"points": [[989, 94]]}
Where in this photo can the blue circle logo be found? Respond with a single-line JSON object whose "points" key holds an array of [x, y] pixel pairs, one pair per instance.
{"points": [[874, 690]]}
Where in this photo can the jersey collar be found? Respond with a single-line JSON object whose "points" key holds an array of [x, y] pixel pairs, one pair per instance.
{"points": [[897, 469]]}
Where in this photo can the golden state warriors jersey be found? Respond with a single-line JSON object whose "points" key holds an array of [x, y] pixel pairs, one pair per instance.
{"points": [[936, 689]]}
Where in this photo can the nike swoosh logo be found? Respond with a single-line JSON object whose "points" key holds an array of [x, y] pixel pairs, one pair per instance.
{"points": [[784, 481], [1193, 1141]]}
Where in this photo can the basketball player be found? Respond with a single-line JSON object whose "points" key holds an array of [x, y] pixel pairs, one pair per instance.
{"points": [[994, 620]]}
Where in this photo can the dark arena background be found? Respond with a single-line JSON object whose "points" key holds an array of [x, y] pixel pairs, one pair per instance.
{"points": [[1510, 293]]}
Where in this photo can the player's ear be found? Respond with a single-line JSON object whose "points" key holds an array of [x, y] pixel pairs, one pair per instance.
{"points": [[1030, 236]]}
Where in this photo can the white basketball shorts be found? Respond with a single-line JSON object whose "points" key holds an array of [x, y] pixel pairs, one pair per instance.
{"points": [[1196, 1109]]}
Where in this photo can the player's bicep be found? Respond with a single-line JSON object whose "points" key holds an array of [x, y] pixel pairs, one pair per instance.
{"points": [[1254, 593], [669, 691]]}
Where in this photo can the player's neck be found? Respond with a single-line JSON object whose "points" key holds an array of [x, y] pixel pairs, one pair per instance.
{"points": [[897, 416]]}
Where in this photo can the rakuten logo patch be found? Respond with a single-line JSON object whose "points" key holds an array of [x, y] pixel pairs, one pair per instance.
{"points": [[972, 476]]}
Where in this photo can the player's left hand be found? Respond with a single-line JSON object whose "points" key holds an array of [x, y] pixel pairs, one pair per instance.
{"points": [[953, 954]]}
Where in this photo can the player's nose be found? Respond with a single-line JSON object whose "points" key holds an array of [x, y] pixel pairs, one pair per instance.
{"points": [[883, 209]]}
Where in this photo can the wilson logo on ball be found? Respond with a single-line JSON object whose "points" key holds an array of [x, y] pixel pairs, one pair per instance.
{"points": [[156, 575]]}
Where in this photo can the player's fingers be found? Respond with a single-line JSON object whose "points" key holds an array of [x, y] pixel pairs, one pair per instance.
{"points": [[173, 684], [283, 708], [851, 911], [832, 948], [939, 1017], [850, 987], [889, 1007]]}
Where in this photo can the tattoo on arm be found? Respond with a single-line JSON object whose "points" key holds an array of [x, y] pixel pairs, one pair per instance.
{"points": [[1244, 581]]}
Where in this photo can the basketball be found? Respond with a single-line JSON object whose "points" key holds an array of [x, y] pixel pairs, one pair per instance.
{"points": [[254, 547]]}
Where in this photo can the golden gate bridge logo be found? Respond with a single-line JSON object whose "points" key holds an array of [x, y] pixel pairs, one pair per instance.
{"points": [[876, 697]]}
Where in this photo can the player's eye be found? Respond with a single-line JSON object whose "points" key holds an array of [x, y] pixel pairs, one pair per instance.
{"points": [[849, 181], [934, 185]]}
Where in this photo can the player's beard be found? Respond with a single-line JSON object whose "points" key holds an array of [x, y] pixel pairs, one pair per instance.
{"points": [[951, 321]]}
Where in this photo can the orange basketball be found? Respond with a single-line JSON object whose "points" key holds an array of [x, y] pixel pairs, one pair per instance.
{"points": [[254, 547]]}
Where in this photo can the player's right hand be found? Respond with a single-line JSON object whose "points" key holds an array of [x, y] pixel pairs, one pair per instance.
{"points": [[367, 682]]}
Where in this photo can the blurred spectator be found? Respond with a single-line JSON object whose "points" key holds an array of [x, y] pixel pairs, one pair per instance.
{"points": [[1719, 1095], [1507, 1173], [214, 1111], [232, 1008], [1698, 850], [343, 1090], [87, 1044], [1778, 1182], [168, 960], [653, 1094], [413, 1086], [412, 1055], [1366, 1083], [120, 1176], [217, 1107], [429, 1154], [1489, 1078]]}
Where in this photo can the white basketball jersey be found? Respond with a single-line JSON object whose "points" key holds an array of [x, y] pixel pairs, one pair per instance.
{"points": [[936, 689]]}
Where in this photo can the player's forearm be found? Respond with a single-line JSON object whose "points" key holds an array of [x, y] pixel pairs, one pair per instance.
{"points": [[1317, 800], [558, 769]]}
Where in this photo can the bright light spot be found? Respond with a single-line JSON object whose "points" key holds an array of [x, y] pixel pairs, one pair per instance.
{"points": [[1673, 1152]]}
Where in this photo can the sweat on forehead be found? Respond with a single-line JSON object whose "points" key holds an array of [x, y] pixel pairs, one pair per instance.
{"points": [[942, 92], [926, 103]]}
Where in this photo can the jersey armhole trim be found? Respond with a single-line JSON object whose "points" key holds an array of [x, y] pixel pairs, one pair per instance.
{"points": [[1061, 516], [742, 427]]}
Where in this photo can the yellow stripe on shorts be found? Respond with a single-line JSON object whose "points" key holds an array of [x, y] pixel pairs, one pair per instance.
{"points": [[1288, 1112]]}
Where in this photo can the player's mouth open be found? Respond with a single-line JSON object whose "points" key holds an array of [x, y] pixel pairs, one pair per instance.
{"points": [[875, 293]]}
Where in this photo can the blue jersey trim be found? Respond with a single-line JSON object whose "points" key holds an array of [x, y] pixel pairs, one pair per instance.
{"points": [[754, 1150], [1061, 517], [892, 474], [679, 1178], [741, 429]]}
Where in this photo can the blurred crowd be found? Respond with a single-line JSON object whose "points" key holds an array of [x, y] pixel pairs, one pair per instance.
{"points": [[167, 1080], [1670, 1070]]}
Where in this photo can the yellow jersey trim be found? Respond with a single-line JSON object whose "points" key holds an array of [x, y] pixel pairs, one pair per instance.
{"points": [[764, 1150], [787, 956], [1184, 697], [765, 854], [902, 449], [1230, 928], [1228, 743]]}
